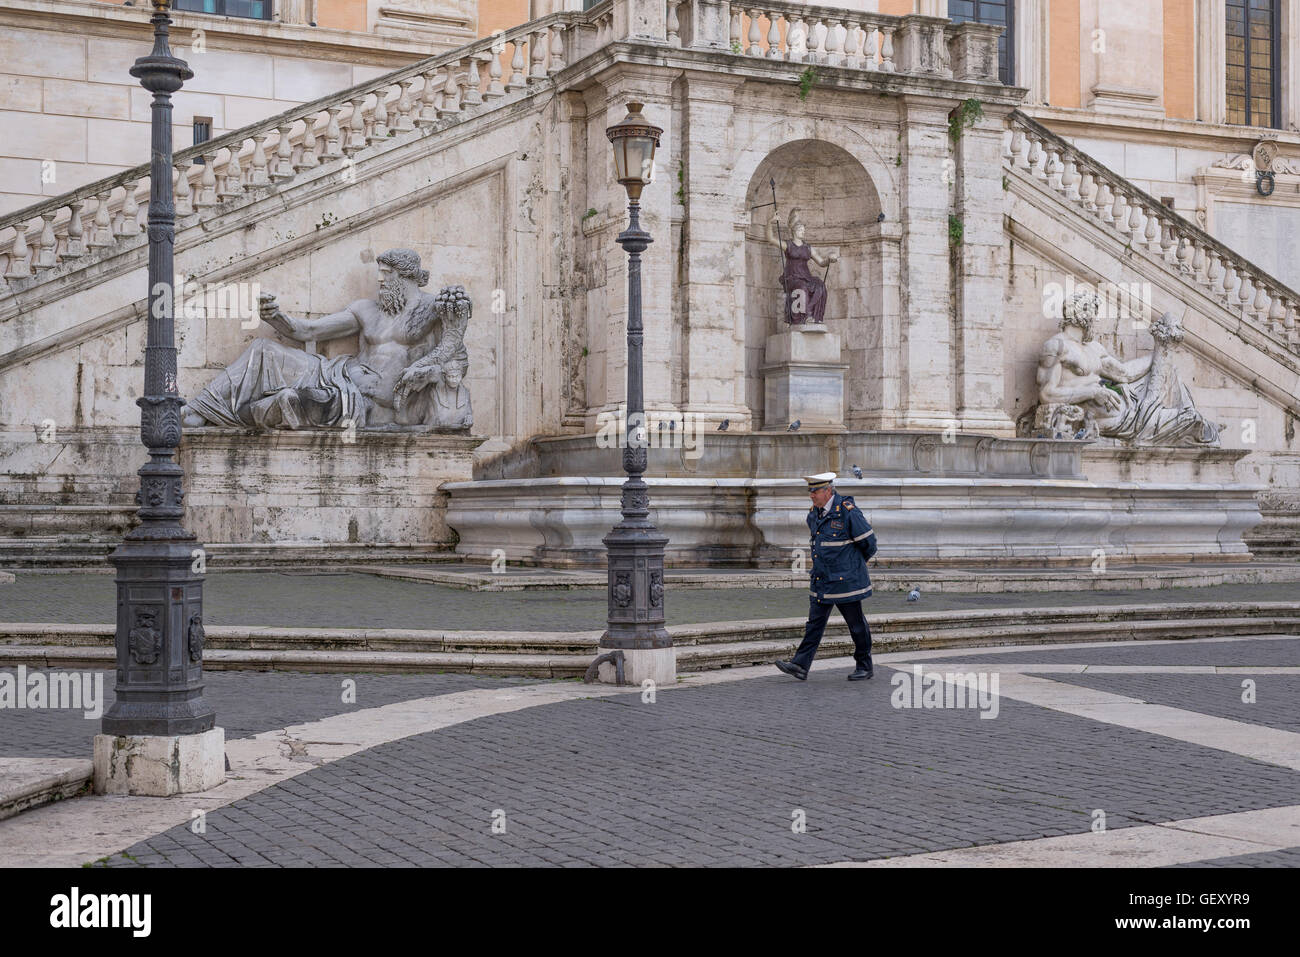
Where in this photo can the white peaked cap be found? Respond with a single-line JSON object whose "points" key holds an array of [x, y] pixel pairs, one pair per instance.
{"points": [[820, 480]]}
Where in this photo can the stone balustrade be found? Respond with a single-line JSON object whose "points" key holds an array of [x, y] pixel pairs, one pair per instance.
{"points": [[101, 217], [1152, 229], [835, 37]]}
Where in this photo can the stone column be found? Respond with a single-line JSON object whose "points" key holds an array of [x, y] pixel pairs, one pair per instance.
{"points": [[978, 284], [650, 86], [713, 345], [925, 334], [1211, 61], [872, 394]]}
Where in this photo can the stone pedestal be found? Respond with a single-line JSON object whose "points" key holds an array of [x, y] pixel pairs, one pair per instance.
{"points": [[641, 664], [803, 379], [159, 765]]}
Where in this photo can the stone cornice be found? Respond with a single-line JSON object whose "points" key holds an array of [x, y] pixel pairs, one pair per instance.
{"points": [[1065, 121], [641, 55], [91, 17]]}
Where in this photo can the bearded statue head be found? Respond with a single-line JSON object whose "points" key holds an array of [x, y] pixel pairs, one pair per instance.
{"points": [[396, 287]]}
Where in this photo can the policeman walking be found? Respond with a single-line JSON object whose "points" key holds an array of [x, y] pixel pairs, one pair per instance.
{"points": [[842, 541]]}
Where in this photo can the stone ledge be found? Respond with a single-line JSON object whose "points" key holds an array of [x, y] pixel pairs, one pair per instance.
{"points": [[717, 644], [30, 782]]}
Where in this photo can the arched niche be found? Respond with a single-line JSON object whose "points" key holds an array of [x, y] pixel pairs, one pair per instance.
{"points": [[840, 208]]}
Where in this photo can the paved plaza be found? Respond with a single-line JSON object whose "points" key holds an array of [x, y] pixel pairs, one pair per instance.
{"points": [[1133, 753]]}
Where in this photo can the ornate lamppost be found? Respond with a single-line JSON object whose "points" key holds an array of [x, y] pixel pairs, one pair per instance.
{"points": [[160, 714], [636, 548]]}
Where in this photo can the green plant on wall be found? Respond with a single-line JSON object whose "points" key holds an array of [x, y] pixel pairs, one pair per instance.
{"points": [[956, 231], [588, 214], [736, 47], [806, 80], [681, 183], [967, 114]]}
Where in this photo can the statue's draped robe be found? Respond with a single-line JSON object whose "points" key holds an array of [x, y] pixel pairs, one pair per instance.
{"points": [[1158, 409], [271, 386], [798, 279]]}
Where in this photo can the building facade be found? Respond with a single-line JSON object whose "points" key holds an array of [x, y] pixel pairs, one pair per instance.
{"points": [[961, 218]]}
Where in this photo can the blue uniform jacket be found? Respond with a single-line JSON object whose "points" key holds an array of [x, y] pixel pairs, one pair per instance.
{"points": [[841, 544]]}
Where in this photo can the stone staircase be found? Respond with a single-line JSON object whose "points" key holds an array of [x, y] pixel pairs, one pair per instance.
{"points": [[1086, 220], [89, 236], [699, 647]]}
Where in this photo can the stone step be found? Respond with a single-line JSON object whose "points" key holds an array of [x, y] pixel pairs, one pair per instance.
{"points": [[534, 665], [884, 578], [245, 638], [964, 626], [559, 655], [30, 782]]}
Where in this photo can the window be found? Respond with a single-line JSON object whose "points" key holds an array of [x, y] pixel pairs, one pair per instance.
{"points": [[1253, 78], [202, 133], [251, 9], [1000, 13]]}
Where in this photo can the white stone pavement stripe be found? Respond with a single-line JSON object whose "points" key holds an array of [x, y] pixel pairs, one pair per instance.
{"points": [[1270, 745], [897, 656], [70, 833], [1148, 845]]}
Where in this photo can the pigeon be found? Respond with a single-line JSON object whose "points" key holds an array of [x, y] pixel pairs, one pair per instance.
{"points": [[914, 594], [1082, 433], [794, 426], [857, 472], [722, 426], [880, 218]]}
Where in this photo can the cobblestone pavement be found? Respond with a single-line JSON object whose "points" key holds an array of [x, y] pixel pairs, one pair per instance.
{"points": [[354, 600], [717, 774], [246, 702]]}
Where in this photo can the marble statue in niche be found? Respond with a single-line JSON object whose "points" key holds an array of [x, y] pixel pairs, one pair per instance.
{"points": [[804, 293]]}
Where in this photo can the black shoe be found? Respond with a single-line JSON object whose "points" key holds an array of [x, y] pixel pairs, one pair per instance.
{"points": [[862, 672], [793, 670]]}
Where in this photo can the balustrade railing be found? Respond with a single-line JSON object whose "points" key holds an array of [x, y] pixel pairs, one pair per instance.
{"points": [[799, 33], [1149, 226], [437, 91], [441, 90]]}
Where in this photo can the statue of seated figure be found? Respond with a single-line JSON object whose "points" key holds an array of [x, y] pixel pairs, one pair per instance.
{"points": [[1139, 402], [406, 337]]}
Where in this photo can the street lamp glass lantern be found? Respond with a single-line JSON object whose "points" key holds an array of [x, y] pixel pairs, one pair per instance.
{"points": [[634, 140]]}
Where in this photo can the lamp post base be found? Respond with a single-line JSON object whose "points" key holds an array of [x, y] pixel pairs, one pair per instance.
{"points": [[642, 664], [159, 765]]}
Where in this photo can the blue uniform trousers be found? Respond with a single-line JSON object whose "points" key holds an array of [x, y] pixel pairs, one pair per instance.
{"points": [[818, 615]]}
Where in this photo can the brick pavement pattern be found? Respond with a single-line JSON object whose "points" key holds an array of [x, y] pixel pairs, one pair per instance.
{"points": [[715, 775]]}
